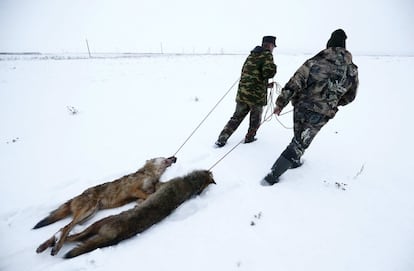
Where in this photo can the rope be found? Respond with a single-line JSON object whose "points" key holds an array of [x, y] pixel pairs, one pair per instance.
{"points": [[241, 141], [267, 117], [214, 107], [281, 123], [270, 108], [271, 105], [227, 153]]}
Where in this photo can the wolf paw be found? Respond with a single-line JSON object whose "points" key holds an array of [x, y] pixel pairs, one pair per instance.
{"points": [[48, 243]]}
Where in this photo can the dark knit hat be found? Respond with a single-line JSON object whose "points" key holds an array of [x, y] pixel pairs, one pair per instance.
{"points": [[269, 39], [337, 39]]}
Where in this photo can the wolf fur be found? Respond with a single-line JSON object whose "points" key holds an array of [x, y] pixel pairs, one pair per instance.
{"points": [[135, 186], [113, 229]]}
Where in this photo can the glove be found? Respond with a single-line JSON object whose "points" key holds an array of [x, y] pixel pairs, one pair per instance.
{"points": [[277, 110]]}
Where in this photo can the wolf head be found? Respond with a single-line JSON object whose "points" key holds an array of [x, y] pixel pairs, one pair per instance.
{"points": [[160, 164], [200, 179]]}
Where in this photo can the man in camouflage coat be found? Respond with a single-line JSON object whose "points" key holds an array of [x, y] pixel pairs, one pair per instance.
{"points": [[318, 87], [252, 93]]}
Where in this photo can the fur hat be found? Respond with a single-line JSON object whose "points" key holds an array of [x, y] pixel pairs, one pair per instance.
{"points": [[337, 39], [269, 39]]}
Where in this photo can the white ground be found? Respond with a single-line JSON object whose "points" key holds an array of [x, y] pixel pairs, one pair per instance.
{"points": [[349, 207]]}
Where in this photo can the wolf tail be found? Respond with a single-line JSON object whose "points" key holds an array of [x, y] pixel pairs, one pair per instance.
{"points": [[61, 212]]}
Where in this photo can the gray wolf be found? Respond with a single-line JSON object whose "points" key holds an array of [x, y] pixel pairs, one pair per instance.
{"points": [[135, 186], [113, 229]]}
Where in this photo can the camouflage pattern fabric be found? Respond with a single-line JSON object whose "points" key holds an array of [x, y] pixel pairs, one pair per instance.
{"points": [[307, 124], [257, 70], [242, 109], [318, 87], [322, 83]]}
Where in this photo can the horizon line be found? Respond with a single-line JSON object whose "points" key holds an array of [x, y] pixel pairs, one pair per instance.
{"points": [[132, 54]]}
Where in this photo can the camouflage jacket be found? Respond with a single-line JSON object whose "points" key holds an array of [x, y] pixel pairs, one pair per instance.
{"points": [[257, 69], [322, 83]]}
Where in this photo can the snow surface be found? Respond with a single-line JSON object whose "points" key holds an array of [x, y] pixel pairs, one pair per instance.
{"points": [[68, 124]]}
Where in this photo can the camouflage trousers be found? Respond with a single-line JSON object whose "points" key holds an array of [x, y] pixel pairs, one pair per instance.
{"points": [[306, 126], [242, 109]]}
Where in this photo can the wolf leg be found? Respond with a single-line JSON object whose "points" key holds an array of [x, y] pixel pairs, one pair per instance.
{"points": [[81, 216], [48, 243], [94, 242]]}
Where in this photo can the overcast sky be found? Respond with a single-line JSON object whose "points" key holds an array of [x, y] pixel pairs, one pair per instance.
{"points": [[372, 26]]}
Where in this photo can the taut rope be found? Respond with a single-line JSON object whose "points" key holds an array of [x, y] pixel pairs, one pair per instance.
{"points": [[214, 107], [267, 117]]}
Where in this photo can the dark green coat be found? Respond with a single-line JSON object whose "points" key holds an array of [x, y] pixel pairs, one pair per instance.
{"points": [[257, 69]]}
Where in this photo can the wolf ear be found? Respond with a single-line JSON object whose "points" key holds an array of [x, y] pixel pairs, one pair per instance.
{"points": [[211, 178]]}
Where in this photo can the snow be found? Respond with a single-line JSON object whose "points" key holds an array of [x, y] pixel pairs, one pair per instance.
{"points": [[349, 207]]}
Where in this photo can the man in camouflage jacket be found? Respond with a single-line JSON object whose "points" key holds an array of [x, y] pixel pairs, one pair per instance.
{"points": [[318, 87], [252, 92]]}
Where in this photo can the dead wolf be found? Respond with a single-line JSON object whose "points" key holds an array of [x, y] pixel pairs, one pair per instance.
{"points": [[113, 229], [135, 186]]}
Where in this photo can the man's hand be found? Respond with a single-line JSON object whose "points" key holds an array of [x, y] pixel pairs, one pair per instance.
{"points": [[277, 110], [270, 85]]}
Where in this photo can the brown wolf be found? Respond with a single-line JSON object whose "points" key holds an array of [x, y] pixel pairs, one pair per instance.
{"points": [[135, 186], [113, 229]]}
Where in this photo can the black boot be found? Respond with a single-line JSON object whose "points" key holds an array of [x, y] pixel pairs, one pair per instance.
{"points": [[279, 167], [296, 164], [222, 140], [250, 136], [293, 153]]}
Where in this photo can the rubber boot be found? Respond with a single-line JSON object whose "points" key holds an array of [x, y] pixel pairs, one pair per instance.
{"points": [[279, 167], [222, 140], [250, 136]]}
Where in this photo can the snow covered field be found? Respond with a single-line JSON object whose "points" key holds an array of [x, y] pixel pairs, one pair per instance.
{"points": [[68, 124]]}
